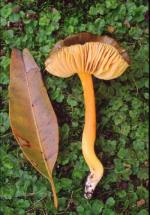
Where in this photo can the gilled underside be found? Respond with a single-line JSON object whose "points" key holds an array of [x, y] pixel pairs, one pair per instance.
{"points": [[100, 59]]}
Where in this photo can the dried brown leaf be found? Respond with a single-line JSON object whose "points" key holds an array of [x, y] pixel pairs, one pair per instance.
{"points": [[32, 117]]}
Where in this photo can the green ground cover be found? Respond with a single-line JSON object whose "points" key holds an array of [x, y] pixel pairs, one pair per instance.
{"points": [[122, 110]]}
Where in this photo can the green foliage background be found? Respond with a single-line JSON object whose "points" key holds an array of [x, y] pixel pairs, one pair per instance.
{"points": [[122, 110]]}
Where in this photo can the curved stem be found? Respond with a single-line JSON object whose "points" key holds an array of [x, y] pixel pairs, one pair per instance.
{"points": [[89, 135]]}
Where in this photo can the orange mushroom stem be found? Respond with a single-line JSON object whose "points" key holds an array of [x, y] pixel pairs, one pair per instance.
{"points": [[89, 135]]}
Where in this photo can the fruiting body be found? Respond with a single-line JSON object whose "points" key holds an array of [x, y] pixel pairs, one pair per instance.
{"points": [[87, 54]]}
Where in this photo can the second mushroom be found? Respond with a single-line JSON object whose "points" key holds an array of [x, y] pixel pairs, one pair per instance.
{"points": [[87, 54]]}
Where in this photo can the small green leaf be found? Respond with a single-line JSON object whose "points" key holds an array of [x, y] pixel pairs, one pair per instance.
{"points": [[71, 101], [97, 207], [122, 153], [110, 202], [135, 33], [80, 209], [44, 20], [6, 10], [143, 212], [4, 122], [111, 4], [21, 203], [108, 211]]}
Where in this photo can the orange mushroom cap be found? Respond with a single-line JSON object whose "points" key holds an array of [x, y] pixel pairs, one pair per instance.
{"points": [[84, 52]]}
